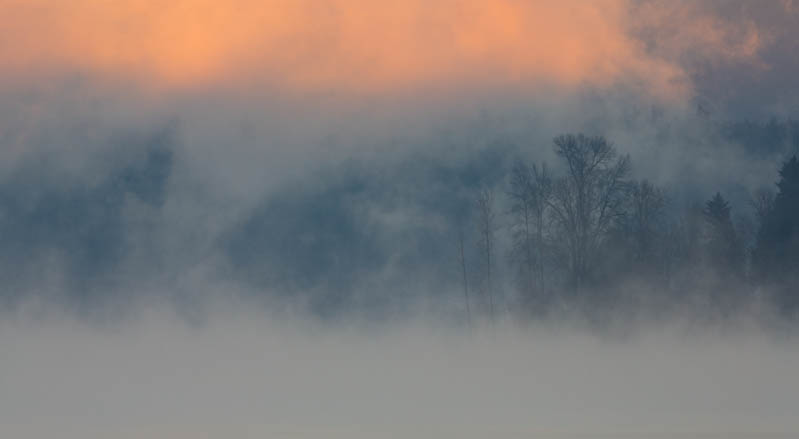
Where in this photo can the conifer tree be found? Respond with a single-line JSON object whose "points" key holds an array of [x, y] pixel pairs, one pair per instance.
{"points": [[776, 254]]}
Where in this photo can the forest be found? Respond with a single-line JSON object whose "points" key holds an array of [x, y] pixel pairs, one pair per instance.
{"points": [[594, 233]]}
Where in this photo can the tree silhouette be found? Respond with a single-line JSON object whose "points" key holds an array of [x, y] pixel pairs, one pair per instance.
{"points": [[725, 253], [647, 204], [487, 226], [588, 199], [530, 193], [464, 273], [776, 254]]}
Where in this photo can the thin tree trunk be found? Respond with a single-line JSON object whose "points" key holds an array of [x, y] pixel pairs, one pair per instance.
{"points": [[465, 282], [528, 244], [489, 287]]}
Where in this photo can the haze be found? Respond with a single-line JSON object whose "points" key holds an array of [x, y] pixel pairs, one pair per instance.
{"points": [[443, 218]]}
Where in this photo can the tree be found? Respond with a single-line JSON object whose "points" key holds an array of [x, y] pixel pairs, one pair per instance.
{"points": [[682, 248], [725, 253], [644, 221], [588, 199], [530, 193], [776, 254], [462, 262], [486, 226], [635, 245], [762, 203]]}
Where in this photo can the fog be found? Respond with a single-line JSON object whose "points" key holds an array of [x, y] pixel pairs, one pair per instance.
{"points": [[300, 219], [244, 373]]}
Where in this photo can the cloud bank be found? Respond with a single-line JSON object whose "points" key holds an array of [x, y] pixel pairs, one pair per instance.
{"points": [[356, 46]]}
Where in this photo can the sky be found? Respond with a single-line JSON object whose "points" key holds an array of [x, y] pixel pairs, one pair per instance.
{"points": [[344, 45], [667, 50], [293, 84]]}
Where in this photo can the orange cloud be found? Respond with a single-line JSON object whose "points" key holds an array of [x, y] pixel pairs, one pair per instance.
{"points": [[349, 45], [681, 28]]}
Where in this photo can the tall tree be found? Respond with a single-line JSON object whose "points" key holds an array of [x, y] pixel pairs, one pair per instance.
{"points": [[587, 200], [635, 246], [725, 252], [644, 221], [462, 263], [530, 192], [776, 254], [486, 227], [762, 203]]}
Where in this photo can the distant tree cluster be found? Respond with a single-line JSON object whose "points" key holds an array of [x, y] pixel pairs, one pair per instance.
{"points": [[592, 230]]}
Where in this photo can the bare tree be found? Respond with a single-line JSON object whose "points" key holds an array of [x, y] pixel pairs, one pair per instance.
{"points": [[486, 226], [644, 220], [587, 200], [522, 208], [462, 260], [530, 192], [763, 203]]}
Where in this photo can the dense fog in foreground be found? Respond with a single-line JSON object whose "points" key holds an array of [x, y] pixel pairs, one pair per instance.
{"points": [[244, 373]]}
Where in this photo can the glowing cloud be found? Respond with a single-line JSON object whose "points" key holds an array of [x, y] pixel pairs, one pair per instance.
{"points": [[348, 45]]}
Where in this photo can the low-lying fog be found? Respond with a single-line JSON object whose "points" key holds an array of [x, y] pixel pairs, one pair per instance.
{"points": [[240, 373]]}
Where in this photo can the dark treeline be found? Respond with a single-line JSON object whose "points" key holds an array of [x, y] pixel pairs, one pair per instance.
{"points": [[593, 235]]}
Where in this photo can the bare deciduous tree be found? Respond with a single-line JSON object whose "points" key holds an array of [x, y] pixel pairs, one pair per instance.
{"points": [[486, 226], [763, 203], [530, 191], [644, 220], [587, 200], [462, 261]]}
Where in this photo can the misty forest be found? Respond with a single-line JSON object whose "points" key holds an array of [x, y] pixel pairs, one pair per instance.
{"points": [[407, 219], [491, 236]]}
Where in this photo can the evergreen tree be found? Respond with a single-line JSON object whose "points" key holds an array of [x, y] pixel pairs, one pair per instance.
{"points": [[776, 254]]}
